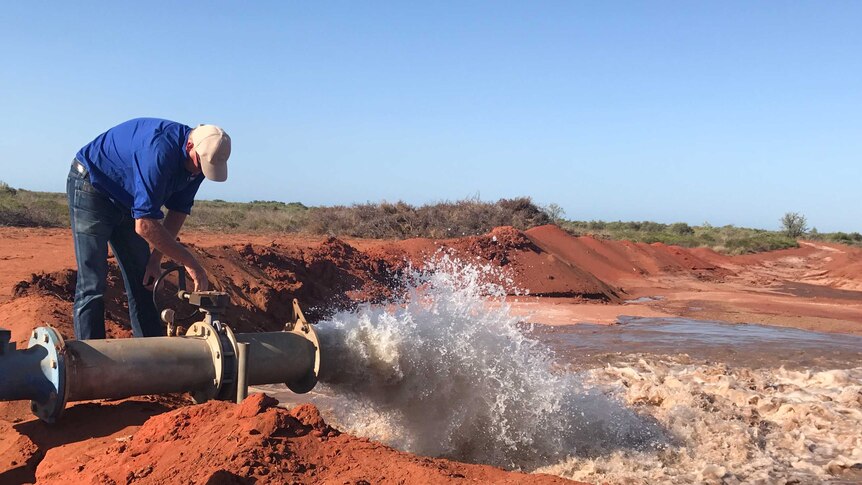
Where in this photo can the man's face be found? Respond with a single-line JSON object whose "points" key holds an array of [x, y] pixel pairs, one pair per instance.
{"points": [[194, 162]]}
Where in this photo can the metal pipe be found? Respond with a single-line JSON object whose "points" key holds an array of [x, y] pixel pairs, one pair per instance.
{"points": [[277, 357], [117, 368], [208, 363], [22, 377], [242, 371]]}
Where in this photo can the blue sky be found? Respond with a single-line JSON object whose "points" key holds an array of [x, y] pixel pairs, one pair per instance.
{"points": [[720, 111]]}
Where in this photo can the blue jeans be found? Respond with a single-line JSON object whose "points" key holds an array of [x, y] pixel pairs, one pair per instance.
{"points": [[96, 222]]}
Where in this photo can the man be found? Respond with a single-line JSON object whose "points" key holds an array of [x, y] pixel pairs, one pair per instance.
{"points": [[116, 188]]}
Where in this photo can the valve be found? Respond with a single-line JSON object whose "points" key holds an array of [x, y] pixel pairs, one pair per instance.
{"points": [[169, 315]]}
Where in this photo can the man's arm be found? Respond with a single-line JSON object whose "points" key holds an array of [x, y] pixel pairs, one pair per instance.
{"points": [[162, 238], [172, 222]]}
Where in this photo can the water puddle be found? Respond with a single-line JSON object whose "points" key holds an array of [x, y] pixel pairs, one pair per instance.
{"points": [[749, 345], [643, 299]]}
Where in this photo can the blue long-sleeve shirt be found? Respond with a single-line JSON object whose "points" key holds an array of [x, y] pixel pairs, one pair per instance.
{"points": [[140, 164]]}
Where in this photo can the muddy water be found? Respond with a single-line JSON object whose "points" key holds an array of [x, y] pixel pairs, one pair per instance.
{"points": [[738, 345], [648, 401], [742, 403]]}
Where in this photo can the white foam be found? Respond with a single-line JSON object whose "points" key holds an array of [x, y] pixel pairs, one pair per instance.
{"points": [[733, 425]]}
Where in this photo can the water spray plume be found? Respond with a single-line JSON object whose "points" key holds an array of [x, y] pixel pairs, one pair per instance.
{"points": [[447, 372]]}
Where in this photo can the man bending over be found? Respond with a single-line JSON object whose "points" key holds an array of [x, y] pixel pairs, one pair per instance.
{"points": [[116, 189]]}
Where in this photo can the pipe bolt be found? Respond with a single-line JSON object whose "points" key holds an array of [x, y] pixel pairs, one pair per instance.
{"points": [[46, 339], [53, 364], [218, 354]]}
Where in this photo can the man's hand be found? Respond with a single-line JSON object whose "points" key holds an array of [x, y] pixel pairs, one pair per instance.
{"points": [[163, 242], [154, 270], [199, 275]]}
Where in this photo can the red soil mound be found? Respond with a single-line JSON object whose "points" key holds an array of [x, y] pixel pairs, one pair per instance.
{"points": [[541, 272], [24, 440], [219, 442], [263, 280], [618, 262], [18, 455], [46, 299]]}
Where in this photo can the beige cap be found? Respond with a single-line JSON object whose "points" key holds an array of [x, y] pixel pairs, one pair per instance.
{"points": [[212, 145]]}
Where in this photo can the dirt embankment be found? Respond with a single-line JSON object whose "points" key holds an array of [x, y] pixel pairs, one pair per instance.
{"points": [[571, 279]]}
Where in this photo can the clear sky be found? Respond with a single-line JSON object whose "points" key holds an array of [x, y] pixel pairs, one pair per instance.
{"points": [[718, 111]]}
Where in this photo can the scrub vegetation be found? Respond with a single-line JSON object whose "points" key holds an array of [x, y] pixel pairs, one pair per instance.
{"points": [[25, 208], [399, 220], [725, 239]]}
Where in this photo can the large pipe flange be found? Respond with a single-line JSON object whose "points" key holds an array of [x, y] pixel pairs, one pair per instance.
{"points": [[223, 349], [307, 382], [50, 404], [301, 327], [206, 332], [230, 365]]}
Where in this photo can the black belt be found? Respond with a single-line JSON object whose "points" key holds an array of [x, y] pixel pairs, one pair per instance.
{"points": [[80, 168]]}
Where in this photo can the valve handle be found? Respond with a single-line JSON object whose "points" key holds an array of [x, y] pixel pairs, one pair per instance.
{"points": [[182, 292]]}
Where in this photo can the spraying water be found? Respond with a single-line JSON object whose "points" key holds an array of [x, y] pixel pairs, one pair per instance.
{"points": [[447, 372]]}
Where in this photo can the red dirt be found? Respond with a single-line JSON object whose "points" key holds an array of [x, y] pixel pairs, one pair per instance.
{"points": [[577, 279], [219, 442], [24, 440], [621, 262]]}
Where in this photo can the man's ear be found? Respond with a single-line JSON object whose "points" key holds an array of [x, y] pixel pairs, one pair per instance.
{"points": [[189, 145]]}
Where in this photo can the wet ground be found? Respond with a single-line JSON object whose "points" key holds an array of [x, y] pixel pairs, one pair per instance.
{"points": [[738, 345], [806, 290]]}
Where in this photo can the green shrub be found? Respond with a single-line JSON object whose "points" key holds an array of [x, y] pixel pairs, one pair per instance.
{"points": [[680, 228], [794, 224]]}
